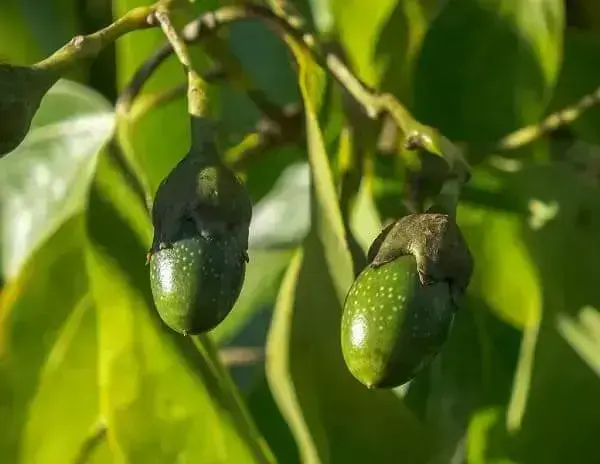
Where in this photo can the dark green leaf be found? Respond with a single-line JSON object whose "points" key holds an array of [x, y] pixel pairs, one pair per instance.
{"points": [[560, 229], [488, 67], [382, 40]]}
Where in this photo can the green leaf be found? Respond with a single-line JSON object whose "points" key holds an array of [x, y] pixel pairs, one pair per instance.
{"points": [[473, 372], [52, 23], [326, 217], [487, 438], [70, 372], [583, 334], [18, 42], [48, 352], [382, 40], [270, 421], [48, 371], [44, 181], [271, 227], [488, 67], [165, 397], [566, 252], [365, 221], [501, 256], [332, 416]]}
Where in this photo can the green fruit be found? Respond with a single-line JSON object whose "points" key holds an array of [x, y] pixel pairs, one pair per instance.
{"points": [[392, 325], [196, 282], [21, 91], [201, 216]]}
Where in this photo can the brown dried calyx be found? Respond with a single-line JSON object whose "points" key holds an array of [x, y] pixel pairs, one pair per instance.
{"points": [[434, 239], [21, 91]]}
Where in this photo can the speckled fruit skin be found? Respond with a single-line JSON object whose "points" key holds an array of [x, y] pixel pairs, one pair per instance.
{"points": [[196, 281], [392, 325]]}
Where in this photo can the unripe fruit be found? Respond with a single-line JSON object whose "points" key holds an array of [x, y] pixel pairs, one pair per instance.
{"points": [[201, 216], [398, 312], [21, 91], [393, 326], [196, 281]]}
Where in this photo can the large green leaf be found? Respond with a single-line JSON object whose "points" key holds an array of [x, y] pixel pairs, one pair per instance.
{"points": [[48, 324], [270, 421], [473, 372], [566, 250], [488, 67], [44, 181], [18, 42], [505, 276], [48, 371], [165, 397], [332, 416], [381, 39], [473, 375]]}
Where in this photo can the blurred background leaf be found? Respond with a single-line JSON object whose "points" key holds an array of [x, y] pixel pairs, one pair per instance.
{"points": [[513, 50]]}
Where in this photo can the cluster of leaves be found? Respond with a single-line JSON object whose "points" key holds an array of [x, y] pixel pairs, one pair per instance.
{"points": [[88, 373]]}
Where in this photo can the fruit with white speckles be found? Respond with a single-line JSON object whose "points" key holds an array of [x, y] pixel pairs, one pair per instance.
{"points": [[201, 216], [392, 325], [196, 282], [399, 311]]}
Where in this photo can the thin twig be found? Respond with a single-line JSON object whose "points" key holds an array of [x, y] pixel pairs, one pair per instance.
{"points": [[528, 134], [241, 356], [196, 85], [96, 436], [373, 103], [89, 46], [269, 135], [153, 101], [204, 27]]}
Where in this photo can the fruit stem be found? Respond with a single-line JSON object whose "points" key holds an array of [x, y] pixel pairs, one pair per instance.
{"points": [[196, 85]]}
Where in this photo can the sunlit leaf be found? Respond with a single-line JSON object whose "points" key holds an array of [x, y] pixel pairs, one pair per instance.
{"points": [[487, 439], [583, 335], [272, 226], [505, 276], [165, 397], [44, 181], [311, 384], [48, 371]]}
